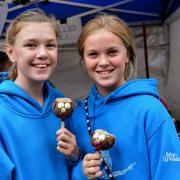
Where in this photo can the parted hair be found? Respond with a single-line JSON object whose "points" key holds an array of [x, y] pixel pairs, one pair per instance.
{"points": [[118, 27]]}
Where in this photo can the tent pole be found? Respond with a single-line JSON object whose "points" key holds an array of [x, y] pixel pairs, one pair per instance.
{"points": [[145, 50]]}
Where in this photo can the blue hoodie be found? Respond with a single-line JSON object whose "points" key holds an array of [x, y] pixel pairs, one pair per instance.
{"points": [[3, 76], [147, 145], [28, 136]]}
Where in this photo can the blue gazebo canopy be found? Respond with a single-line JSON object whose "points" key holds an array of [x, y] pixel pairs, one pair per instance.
{"points": [[132, 11]]}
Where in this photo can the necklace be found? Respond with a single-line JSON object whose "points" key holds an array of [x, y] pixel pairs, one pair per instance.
{"points": [[90, 132]]}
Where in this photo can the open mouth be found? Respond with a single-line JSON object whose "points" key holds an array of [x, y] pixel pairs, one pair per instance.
{"points": [[105, 72], [40, 65]]}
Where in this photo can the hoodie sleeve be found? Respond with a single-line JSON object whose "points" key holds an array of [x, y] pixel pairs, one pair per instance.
{"points": [[6, 165], [77, 172], [164, 152]]}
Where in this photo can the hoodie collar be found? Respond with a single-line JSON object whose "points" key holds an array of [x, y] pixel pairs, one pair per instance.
{"points": [[130, 88], [19, 101]]}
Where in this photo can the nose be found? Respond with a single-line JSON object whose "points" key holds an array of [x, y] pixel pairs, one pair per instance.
{"points": [[42, 53], [103, 61]]}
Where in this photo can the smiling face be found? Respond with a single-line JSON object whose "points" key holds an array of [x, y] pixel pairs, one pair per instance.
{"points": [[105, 58], [34, 52]]}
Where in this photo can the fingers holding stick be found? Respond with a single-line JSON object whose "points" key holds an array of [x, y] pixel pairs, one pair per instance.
{"points": [[91, 165], [66, 144]]}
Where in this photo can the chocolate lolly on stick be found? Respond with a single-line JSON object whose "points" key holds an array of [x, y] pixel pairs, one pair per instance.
{"points": [[62, 108], [102, 140]]}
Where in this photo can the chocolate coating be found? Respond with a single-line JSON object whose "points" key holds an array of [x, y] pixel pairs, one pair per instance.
{"points": [[102, 140], [62, 107]]}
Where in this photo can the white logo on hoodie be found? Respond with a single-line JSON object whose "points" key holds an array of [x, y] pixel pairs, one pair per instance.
{"points": [[169, 156]]}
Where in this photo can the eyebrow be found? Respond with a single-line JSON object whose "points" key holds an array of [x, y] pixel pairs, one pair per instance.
{"points": [[35, 40]]}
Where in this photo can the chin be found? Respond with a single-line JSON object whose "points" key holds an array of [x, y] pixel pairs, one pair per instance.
{"points": [[106, 84], [44, 78]]}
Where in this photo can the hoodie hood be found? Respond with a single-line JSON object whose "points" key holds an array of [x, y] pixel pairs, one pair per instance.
{"points": [[19, 101], [127, 90], [3, 76]]}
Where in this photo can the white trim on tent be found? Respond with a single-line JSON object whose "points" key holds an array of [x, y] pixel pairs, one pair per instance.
{"points": [[102, 8]]}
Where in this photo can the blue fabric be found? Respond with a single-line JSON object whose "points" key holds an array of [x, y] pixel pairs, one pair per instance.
{"points": [[3, 76], [28, 136], [147, 145], [149, 10]]}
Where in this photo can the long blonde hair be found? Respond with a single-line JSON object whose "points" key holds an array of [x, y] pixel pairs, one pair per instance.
{"points": [[119, 28], [18, 23]]}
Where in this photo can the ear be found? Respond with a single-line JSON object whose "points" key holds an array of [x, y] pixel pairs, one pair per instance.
{"points": [[127, 59], [10, 52]]}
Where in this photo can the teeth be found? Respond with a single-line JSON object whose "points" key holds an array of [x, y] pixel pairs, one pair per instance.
{"points": [[40, 65], [104, 72]]}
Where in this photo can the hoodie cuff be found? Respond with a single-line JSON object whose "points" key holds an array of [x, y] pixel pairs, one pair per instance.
{"points": [[73, 163]]}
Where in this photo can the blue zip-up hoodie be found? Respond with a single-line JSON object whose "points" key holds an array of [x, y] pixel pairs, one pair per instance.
{"points": [[147, 145], [28, 136]]}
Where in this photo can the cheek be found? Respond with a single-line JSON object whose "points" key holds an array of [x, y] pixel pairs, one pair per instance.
{"points": [[54, 56], [24, 55], [123, 60], [89, 65]]}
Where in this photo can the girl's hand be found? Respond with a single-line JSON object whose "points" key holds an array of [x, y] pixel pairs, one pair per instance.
{"points": [[91, 164], [66, 144]]}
